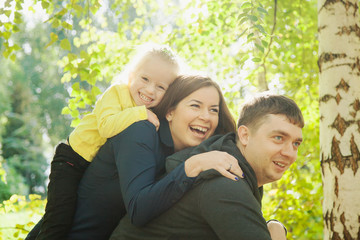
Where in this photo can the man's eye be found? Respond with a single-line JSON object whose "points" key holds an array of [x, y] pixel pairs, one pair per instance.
{"points": [[297, 144], [279, 138]]}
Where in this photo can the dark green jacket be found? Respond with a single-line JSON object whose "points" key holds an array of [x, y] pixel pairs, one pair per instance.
{"points": [[215, 208]]}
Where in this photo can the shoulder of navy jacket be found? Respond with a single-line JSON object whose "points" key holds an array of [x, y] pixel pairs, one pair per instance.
{"points": [[165, 134]]}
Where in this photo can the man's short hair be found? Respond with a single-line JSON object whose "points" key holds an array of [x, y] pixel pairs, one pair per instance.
{"points": [[255, 111]]}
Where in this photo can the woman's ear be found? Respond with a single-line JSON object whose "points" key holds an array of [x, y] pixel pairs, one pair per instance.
{"points": [[243, 134], [169, 115]]}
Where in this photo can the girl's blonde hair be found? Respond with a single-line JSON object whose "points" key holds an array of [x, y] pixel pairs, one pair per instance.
{"points": [[146, 52]]}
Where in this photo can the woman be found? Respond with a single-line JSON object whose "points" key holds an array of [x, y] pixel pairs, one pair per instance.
{"points": [[123, 175]]}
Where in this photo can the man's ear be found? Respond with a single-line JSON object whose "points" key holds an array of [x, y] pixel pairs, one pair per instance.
{"points": [[244, 134]]}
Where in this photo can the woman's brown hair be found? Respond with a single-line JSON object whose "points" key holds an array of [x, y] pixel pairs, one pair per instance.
{"points": [[182, 87]]}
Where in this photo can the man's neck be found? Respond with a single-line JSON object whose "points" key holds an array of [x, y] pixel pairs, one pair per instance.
{"points": [[242, 150]]}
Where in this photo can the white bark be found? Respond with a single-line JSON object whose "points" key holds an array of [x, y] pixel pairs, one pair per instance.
{"points": [[339, 66]]}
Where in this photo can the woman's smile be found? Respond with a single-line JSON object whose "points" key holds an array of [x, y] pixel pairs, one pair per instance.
{"points": [[195, 118]]}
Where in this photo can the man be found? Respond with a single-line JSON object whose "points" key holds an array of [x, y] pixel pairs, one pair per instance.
{"points": [[266, 144]]}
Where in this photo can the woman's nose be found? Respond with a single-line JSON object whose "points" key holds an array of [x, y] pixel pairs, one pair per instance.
{"points": [[204, 114]]}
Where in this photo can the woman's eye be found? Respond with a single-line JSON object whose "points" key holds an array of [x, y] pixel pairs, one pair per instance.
{"points": [[195, 105], [215, 110]]}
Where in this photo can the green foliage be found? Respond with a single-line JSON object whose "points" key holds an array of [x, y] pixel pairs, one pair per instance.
{"points": [[247, 46], [30, 209]]}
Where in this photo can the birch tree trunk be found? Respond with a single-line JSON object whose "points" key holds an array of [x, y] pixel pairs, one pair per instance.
{"points": [[339, 67]]}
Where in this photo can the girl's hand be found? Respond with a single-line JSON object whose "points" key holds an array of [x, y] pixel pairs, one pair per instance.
{"points": [[222, 162], [153, 119]]}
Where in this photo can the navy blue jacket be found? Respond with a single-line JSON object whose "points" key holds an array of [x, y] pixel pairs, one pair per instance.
{"points": [[125, 176]]}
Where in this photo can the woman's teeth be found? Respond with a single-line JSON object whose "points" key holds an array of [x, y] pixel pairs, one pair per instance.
{"points": [[199, 129]]}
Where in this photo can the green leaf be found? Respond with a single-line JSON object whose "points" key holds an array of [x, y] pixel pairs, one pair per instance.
{"points": [[260, 9], [243, 20], [65, 111], [246, 5], [250, 35], [53, 38], [84, 54], [65, 44], [76, 87], [66, 77], [6, 35], [16, 29], [16, 47], [44, 4], [256, 60], [13, 57], [261, 48], [95, 91], [252, 18], [75, 113], [55, 23], [61, 13], [264, 43], [67, 25], [7, 13], [94, 9], [31, 9], [82, 105], [261, 29], [75, 122], [18, 6]]}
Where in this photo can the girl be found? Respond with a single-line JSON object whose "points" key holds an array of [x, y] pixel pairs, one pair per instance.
{"points": [[149, 75]]}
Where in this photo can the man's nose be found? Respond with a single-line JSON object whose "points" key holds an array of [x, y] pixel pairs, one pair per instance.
{"points": [[289, 151]]}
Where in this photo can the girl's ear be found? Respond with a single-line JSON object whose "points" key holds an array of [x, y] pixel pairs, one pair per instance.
{"points": [[169, 115], [131, 77], [244, 134]]}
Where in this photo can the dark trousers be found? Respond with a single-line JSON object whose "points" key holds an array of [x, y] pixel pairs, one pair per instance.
{"points": [[67, 169]]}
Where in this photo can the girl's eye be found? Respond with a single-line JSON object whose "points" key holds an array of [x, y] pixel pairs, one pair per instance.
{"points": [[161, 88], [145, 79]]}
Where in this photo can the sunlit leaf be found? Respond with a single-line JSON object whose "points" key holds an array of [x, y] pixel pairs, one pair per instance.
{"points": [[65, 44], [246, 5], [45, 4], [260, 9], [66, 77], [66, 25], [252, 18]]}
